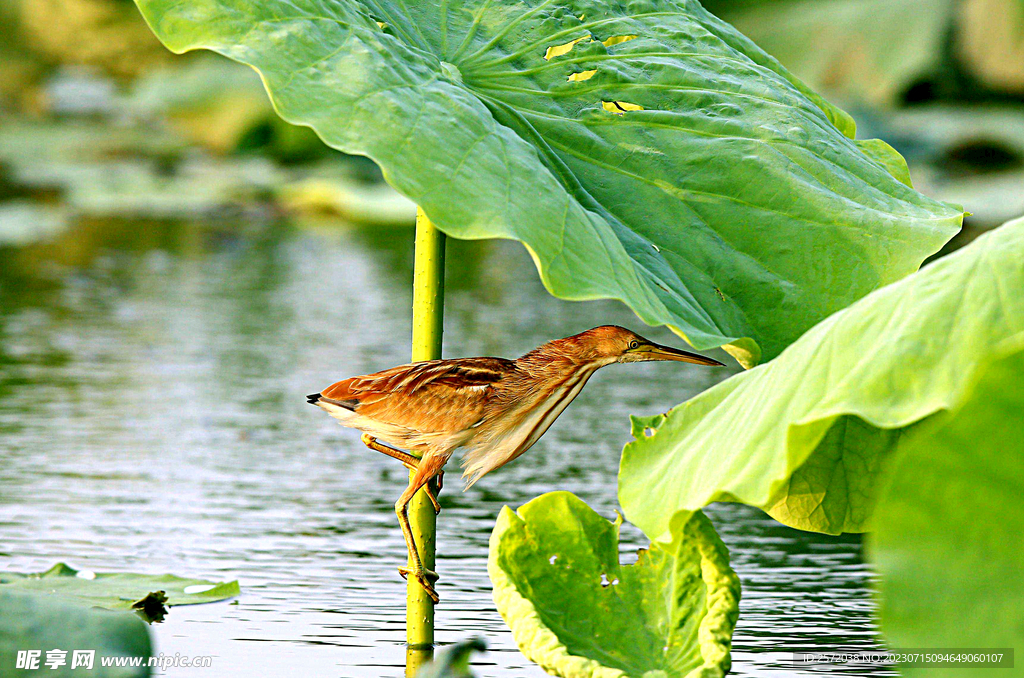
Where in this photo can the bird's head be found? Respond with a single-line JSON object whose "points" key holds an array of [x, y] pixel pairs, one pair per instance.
{"points": [[611, 343]]}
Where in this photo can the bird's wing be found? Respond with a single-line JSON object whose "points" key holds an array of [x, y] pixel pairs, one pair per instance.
{"points": [[434, 396]]}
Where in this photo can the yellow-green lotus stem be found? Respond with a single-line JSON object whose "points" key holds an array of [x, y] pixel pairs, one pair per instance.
{"points": [[427, 326]]}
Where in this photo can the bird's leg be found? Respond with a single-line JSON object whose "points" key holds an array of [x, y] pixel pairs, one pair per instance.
{"points": [[411, 462], [430, 492], [429, 467]]}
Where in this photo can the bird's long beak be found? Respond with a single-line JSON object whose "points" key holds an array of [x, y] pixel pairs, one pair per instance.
{"points": [[659, 352]]}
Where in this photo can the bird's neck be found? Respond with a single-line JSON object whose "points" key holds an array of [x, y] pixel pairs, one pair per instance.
{"points": [[549, 362]]}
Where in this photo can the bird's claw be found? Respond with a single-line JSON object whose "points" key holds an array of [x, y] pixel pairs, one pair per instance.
{"points": [[426, 579], [432, 496], [432, 492], [427, 574]]}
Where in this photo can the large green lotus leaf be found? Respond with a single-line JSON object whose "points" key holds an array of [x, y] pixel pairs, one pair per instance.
{"points": [[642, 151], [33, 621], [578, 613], [948, 532], [803, 436], [118, 590]]}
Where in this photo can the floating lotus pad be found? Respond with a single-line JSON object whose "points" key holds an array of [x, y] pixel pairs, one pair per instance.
{"points": [[804, 437], [575, 611], [118, 590], [642, 151]]}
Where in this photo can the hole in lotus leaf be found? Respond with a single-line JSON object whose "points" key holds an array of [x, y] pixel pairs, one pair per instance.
{"points": [[617, 39], [604, 580], [86, 574], [648, 432], [198, 588], [615, 582], [656, 248], [382, 25], [584, 75], [552, 559], [565, 48], [620, 107]]}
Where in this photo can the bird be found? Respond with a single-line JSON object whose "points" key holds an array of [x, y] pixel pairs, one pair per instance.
{"points": [[494, 409]]}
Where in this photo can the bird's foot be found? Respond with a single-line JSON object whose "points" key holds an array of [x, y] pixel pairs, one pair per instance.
{"points": [[425, 577], [433, 489], [423, 572]]}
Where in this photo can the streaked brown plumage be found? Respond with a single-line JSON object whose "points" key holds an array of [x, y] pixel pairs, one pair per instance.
{"points": [[494, 408]]}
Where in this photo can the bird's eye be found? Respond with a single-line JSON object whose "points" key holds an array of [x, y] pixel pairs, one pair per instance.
{"points": [[634, 344]]}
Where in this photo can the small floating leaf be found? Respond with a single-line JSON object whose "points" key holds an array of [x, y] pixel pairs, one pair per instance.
{"points": [[804, 436], [671, 613], [120, 590], [948, 538], [453, 661]]}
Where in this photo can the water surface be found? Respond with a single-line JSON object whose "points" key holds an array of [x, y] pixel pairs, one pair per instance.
{"points": [[153, 420]]}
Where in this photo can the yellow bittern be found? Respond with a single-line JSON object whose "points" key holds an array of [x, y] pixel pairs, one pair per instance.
{"points": [[494, 408]]}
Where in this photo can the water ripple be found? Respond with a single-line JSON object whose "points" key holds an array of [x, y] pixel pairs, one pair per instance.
{"points": [[153, 421]]}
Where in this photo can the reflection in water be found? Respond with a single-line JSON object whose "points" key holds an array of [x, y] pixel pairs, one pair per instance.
{"points": [[151, 403]]}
